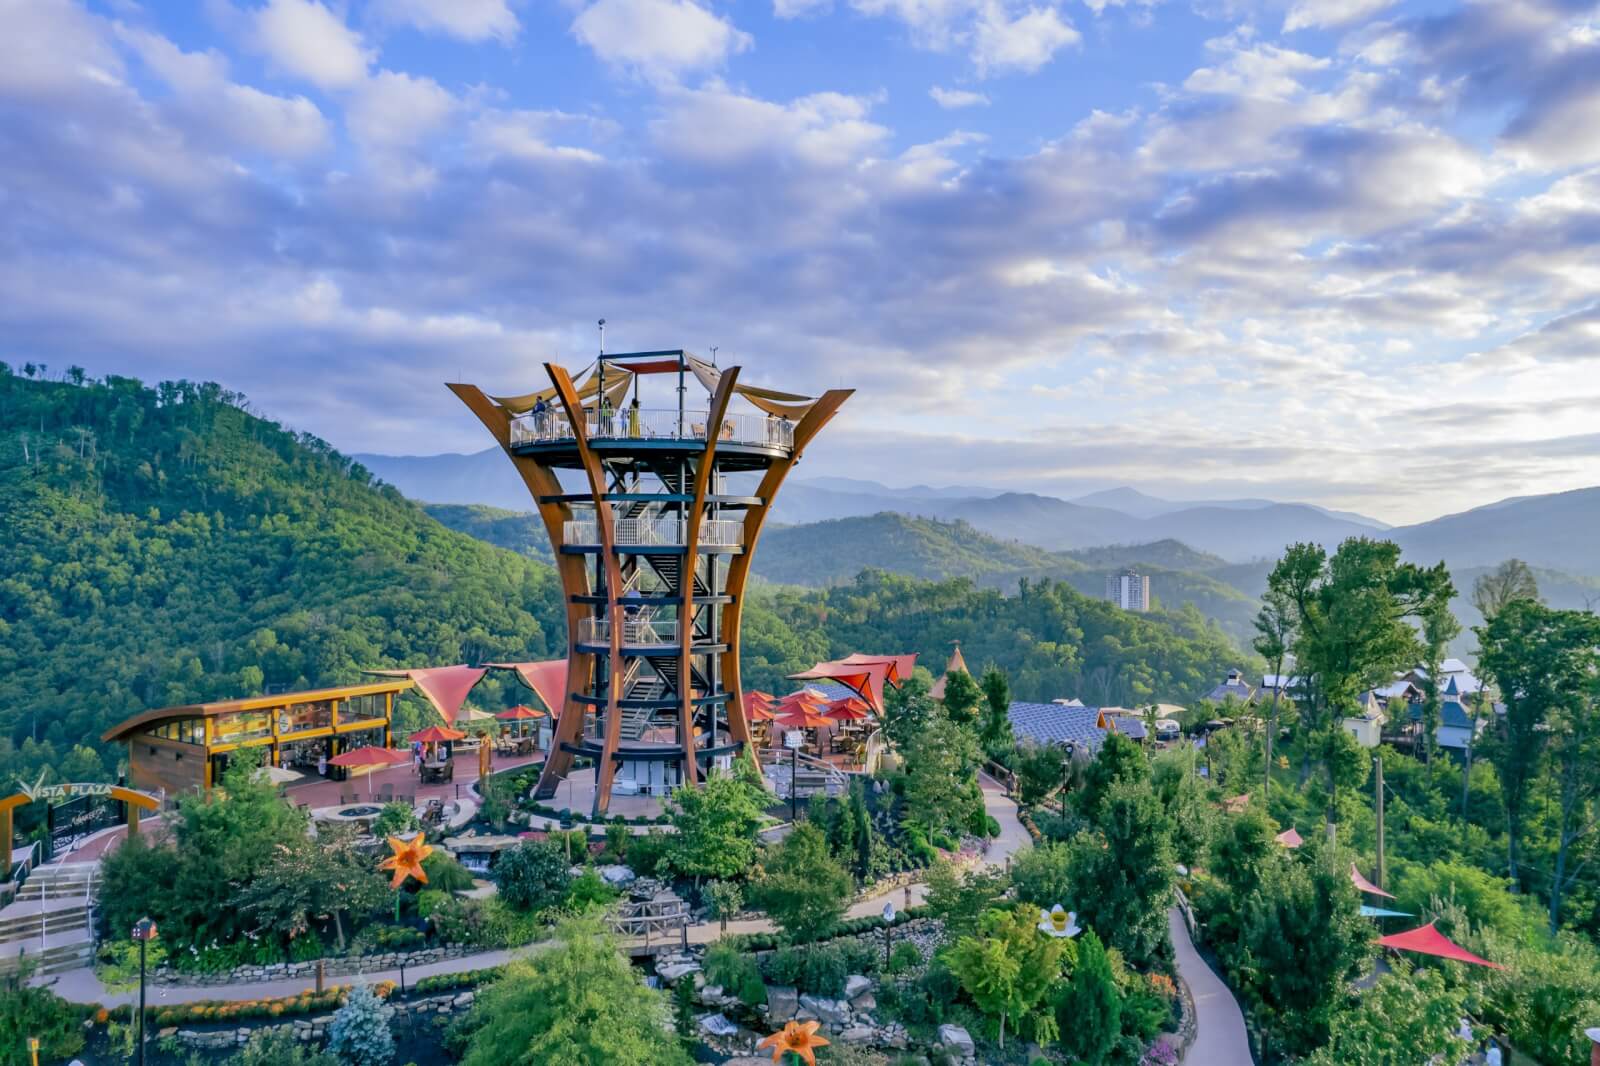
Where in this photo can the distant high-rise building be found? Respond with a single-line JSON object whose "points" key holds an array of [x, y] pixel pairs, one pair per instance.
{"points": [[1129, 590]]}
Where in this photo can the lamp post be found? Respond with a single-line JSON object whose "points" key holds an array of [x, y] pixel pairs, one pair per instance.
{"points": [[888, 931], [144, 931], [33, 1049]]}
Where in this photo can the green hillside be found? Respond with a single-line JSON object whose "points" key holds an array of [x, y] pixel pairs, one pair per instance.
{"points": [[1168, 554], [518, 531], [163, 545], [828, 553]]}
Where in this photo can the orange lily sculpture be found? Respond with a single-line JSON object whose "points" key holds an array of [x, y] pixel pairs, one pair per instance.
{"points": [[407, 860], [797, 1038]]}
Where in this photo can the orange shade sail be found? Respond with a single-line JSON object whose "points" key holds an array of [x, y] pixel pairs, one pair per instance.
{"points": [[436, 733], [900, 666]]}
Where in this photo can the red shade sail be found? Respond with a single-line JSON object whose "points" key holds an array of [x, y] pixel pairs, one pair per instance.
{"points": [[1429, 941], [1364, 885], [446, 687], [359, 757], [848, 709], [900, 666], [865, 678], [1289, 838], [436, 733], [547, 678]]}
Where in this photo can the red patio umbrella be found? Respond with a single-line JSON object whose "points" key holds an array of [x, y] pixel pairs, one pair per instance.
{"points": [[435, 733], [759, 712], [805, 697], [366, 760], [1429, 941], [803, 718], [519, 712], [757, 694]]}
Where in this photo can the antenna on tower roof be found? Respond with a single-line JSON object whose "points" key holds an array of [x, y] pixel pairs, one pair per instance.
{"points": [[713, 355]]}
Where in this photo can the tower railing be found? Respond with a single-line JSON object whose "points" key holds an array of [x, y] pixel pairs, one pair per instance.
{"points": [[645, 532], [634, 631], [654, 424]]}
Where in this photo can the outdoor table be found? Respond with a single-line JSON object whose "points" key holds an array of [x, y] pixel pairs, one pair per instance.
{"points": [[434, 773]]}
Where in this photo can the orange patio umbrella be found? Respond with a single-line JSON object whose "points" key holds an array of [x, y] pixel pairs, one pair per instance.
{"points": [[803, 718], [757, 694], [519, 712], [436, 733], [759, 712]]}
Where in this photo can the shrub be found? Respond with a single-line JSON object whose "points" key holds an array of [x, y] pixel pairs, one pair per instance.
{"points": [[589, 889], [38, 1012], [278, 1047], [804, 890], [395, 818], [360, 1033], [905, 958], [646, 852], [445, 874], [533, 875]]}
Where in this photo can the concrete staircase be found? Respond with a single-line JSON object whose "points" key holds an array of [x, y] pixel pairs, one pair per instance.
{"points": [[49, 921]]}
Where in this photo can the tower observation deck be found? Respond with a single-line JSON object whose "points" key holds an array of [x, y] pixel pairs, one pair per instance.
{"points": [[653, 548]]}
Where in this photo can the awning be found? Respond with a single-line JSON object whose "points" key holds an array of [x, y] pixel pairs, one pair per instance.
{"points": [[1366, 886], [548, 679], [900, 666], [788, 405], [1429, 941], [445, 686], [1379, 912], [618, 381]]}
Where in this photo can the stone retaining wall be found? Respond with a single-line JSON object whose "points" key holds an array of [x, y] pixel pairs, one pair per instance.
{"points": [[338, 966], [314, 1030]]}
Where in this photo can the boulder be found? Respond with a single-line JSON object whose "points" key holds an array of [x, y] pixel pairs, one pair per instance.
{"points": [[670, 974], [956, 1039], [856, 984], [717, 1024], [859, 1034], [831, 1012], [866, 1001], [709, 994], [619, 876], [783, 1003]]}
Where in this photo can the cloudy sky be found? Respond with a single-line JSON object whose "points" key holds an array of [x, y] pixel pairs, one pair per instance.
{"points": [[1345, 251]]}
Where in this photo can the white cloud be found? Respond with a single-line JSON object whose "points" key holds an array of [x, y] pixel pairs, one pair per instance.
{"points": [[392, 110], [470, 20], [239, 115], [49, 45], [305, 39], [950, 99], [1322, 14], [719, 127], [793, 9], [1024, 43], [529, 135], [658, 38]]}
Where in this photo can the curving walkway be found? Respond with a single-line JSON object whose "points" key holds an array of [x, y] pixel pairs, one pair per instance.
{"points": [[1220, 1038]]}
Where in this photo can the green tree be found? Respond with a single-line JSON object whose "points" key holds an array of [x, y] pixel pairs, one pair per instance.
{"points": [[1008, 966], [1121, 874], [960, 898], [580, 1003], [1119, 759], [995, 733], [716, 828], [1275, 634], [360, 1032], [802, 888], [1175, 778], [1042, 875], [1089, 1006], [1351, 630], [1506, 583], [533, 875], [961, 698], [26, 1012], [941, 766], [907, 711], [727, 898], [310, 882], [1405, 1018], [1574, 751], [1040, 770], [1542, 660]]}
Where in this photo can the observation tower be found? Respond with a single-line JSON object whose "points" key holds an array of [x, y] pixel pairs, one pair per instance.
{"points": [[653, 473]]}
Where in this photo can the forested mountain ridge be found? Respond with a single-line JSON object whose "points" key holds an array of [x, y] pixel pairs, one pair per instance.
{"points": [[163, 545]]}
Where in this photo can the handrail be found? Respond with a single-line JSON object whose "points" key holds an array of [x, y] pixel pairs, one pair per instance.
{"points": [[646, 532], [652, 424], [634, 631]]}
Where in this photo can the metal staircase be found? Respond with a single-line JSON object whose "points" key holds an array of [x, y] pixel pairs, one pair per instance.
{"points": [[50, 921]]}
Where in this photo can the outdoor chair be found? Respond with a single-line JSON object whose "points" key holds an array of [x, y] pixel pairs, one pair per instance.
{"points": [[386, 793], [346, 794]]}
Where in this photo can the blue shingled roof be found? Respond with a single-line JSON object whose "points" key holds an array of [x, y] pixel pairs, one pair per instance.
{"points": [[1051, 723], [1451, 713]]}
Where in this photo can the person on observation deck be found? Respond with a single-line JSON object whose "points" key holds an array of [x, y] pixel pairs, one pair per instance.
{"points": [[633, 418], [541, 417]]}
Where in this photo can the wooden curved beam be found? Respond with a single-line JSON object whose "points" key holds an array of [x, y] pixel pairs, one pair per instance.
{"points": [[606, 772], [542, 483], [691, 559], [819, 415]]}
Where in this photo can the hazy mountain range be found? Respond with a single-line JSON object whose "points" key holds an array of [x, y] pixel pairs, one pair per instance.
{"points": [[1557, 532]]}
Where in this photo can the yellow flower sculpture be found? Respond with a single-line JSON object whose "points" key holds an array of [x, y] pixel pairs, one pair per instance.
{"points": [[407, 860], [798, 1037]]}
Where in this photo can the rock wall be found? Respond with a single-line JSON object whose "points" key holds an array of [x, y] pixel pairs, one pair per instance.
{"points": [[313, 1030], [339, 966]]}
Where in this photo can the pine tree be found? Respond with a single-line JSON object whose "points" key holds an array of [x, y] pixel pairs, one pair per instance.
{"points": [[360, 1033], [1089, 1007]]}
